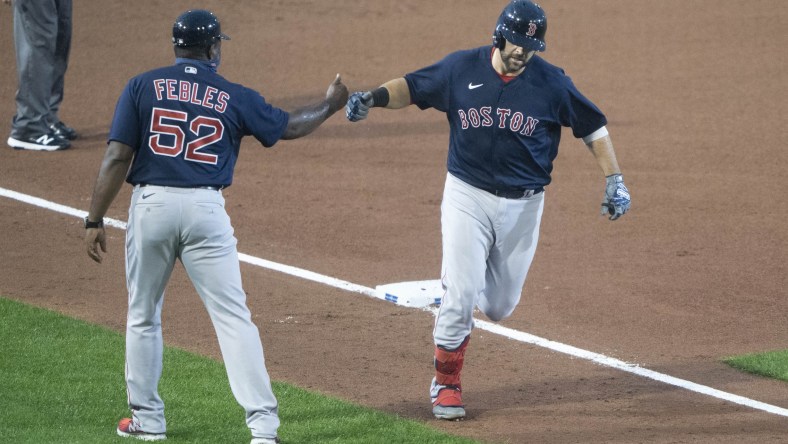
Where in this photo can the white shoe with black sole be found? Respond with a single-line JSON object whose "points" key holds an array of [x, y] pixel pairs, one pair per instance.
{"points": [[42, 142]]}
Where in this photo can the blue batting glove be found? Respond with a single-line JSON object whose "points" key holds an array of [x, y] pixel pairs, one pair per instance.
{"points": [[616, 201], [358, 106]]}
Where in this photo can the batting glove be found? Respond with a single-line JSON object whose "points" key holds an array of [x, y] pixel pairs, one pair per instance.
{"points": [[358, 106], [616, 201]]}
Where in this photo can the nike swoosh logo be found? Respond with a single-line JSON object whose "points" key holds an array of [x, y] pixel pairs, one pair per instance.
{"points": [[472, 86], [145, 196]]}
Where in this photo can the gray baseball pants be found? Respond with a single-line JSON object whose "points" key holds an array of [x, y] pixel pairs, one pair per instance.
{"points": [[190, 224], [42, 39], [488, 245]]}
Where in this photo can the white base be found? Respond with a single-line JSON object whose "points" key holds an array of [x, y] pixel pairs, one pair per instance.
{"points": [[412, 294]]}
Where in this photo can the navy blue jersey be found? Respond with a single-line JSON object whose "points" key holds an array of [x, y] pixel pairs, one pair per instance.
{"points": [[504, 135], [185, 123]]}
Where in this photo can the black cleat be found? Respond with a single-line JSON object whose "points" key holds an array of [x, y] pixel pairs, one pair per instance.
{"points": [[64, 131]]}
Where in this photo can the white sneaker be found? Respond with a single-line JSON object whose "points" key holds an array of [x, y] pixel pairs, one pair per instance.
{"points": [[38, 142]]}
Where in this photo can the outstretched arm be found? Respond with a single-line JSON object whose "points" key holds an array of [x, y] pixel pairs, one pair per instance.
{"points": [[306, 119], [393, 94], [399, 93]]}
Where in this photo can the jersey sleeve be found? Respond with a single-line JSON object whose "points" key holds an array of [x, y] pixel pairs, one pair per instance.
{"points": [[579, 113], [265, 122], [125, 126], [429, 86]]}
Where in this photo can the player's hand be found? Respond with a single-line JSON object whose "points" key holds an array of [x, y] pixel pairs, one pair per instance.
{"points": [[358, 106], [336, 94], [616, 201], [95, 238]]}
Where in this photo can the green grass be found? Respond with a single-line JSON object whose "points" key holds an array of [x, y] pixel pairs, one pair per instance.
{"points": [[772, 364], [61, 381]]}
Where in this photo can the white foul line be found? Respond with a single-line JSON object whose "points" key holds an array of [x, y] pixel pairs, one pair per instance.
{"points": [[481, 324], [308, 275], [627, 367]]}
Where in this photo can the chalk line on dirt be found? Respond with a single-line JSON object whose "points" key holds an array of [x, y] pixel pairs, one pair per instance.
{"points": [[480, 324]]}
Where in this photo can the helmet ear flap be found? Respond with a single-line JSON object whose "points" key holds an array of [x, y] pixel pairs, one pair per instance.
{"points": [[498, 40]]}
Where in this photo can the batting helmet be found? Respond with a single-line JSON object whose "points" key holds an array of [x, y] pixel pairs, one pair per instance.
{"points": [[197, 27], [523, 23]]}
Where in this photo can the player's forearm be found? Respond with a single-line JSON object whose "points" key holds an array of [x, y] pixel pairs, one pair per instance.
{"points": [[605, 155], [306, 119], [399, 93], [110, 179]]}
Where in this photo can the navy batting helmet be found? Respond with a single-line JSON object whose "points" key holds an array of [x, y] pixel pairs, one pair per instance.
{"points": [[197, 27], [523, 23]]}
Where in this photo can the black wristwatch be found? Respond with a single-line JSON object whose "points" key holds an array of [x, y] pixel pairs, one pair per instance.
{"points": [[91, 224]]}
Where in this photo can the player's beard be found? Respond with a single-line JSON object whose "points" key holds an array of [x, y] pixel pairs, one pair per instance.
{"points": [[515, 63]]}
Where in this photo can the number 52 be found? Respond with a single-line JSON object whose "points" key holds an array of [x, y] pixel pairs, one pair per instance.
{"points": [[159, 127]]}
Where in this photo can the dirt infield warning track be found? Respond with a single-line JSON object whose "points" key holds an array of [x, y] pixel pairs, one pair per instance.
{"points": [[695, 95]]}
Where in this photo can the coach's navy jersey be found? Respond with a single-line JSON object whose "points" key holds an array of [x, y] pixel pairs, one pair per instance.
{"points": [[504, 135], [185, 123]]}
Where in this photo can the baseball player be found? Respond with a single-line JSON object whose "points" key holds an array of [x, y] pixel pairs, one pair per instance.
{"points": [[177, 132], [505, 107]]}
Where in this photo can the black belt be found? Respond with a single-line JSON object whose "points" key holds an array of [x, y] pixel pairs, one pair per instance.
{"points": [[515, 194], [201, 187]]}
